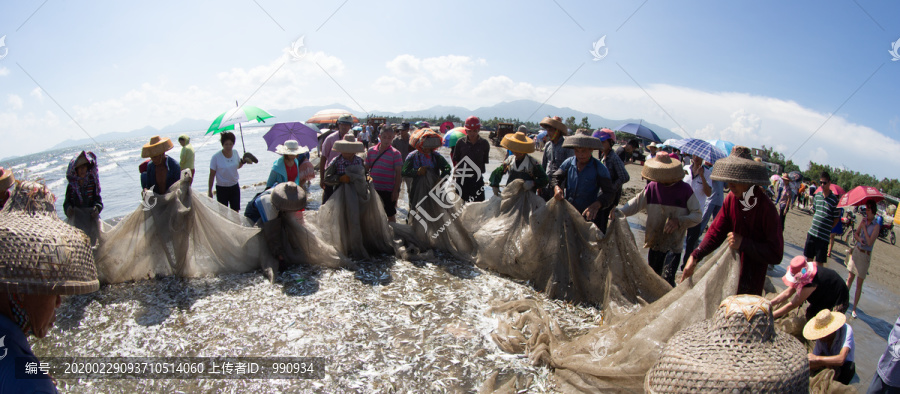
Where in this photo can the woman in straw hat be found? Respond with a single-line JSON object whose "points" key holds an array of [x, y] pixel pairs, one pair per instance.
{"points": [[746, 221], [671, 208], [45, 259], [834, 345], [520, 165], [6, 181], [292, 166], [616, 168], [424, 159], [336, 173], [583, 180], [83, 203], [554, 151], [807, 281], [162, 171]]}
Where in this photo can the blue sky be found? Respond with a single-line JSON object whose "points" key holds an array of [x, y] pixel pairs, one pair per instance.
{"points": [[750, 72]]}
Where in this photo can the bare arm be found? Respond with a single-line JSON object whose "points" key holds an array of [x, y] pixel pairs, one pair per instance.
{"points": [[212, 178], [795, 302], [818, 362]]}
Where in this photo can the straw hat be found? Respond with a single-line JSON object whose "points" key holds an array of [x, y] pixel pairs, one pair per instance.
{"points": [[6, 179], [349, 145], [800, 273], [287, 196], [825, 323], [738, 350], [81, 159], [739, 167], [291, 147], [663, 169], [652, 146], [42, 254], [518, 143], [582, 141], [157, 146], [555, 124]]}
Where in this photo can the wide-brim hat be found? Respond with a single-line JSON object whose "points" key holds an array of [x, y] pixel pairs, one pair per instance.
{"points": [[582, 141], [739, 167], [800, 273], [825, 323], [554, 124], [663, 169], [40, 253], [653, 146], [738, 350], [291, 147], [156, 146], [349, 145], [346, 119], [518, 142], [6, 179], [288, 196]]}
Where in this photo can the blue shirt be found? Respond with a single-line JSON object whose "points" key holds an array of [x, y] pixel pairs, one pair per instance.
{"points": [[16, 346], [582, 188], [148, 179]]}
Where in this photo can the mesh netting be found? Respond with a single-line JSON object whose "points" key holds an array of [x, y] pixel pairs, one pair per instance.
{"points": [[435, 210], [179, 233], [83, 219], [617, 355]]}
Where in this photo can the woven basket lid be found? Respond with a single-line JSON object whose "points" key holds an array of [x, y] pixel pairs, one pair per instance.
{"points": [[518, 142], [738, 350], [287, 196], [40, 254], [739, 167], [553, 123], [663, 168], [582, 141], [349, 145]]}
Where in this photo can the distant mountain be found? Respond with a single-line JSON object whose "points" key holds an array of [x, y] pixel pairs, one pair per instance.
{"points": [[182, 126]]}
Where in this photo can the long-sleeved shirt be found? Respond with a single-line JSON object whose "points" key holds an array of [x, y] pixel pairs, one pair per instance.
{"points": [[478, 152], [616, 171], [756, 220], [662, 202], [528, 169], [584, 187], [555, 155]]}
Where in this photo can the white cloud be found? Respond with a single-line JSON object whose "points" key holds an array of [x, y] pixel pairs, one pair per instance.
{"points": [[450, 74], [503, 88], [4, 71], [15, 101], [38, 94]]}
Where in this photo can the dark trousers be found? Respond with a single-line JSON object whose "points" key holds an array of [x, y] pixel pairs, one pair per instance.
{"points": [[472, 190], [327, 191], [816, 249], [665, 264], [691, 240], [390, 206], [602, 218], [878, 386], [229, 196]]}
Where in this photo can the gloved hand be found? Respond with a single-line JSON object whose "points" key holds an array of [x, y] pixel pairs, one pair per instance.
{"points": [[344, 179], [529, 185], [496, 190], [422, 171]]}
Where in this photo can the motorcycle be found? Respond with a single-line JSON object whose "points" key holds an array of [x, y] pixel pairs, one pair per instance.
{"points": [[849, 224], [887, 232]]}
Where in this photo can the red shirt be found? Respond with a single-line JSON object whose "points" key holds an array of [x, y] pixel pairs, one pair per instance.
{"points": [[292, 171], [762, 242]]}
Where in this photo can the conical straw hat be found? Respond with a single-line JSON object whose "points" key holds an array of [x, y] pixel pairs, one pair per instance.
{"points": [[518, 142], [156, 146], [287, 196], [739, 167], [40, 253], [663, 169]]}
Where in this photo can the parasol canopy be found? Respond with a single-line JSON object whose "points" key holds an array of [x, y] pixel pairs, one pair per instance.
{"points": [[330, 116], [860, 195]]}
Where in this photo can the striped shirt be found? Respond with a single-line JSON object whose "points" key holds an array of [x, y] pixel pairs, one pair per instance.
{"points": [[385, 168], [824, 212]]}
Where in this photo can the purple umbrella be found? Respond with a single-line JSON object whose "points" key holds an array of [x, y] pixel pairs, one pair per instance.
{"points": [[297, 131]]}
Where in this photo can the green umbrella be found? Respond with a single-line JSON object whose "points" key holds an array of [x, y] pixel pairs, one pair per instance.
{"points": [[241, 114]]}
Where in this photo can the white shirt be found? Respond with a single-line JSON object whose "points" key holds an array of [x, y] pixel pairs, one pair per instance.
{"points": [[697, 184], [226, 169], [841, 340]]}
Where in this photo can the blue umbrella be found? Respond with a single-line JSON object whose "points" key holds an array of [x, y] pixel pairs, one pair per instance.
{"points": [[639, 130], [725, 146], [696, 147]]}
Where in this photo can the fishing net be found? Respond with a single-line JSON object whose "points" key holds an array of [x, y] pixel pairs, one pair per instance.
{"points": [[353, 219], [179, 233], [617, 355], [301, 245], [435, 209], [83, 219], [824, 383]]}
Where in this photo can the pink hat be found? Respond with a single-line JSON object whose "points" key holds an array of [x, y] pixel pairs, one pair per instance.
{"points": [[800, 273], [605, 134]]}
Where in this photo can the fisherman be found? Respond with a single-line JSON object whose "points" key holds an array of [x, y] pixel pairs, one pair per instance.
{"points": [[616, 168], [169, 170], [808, 281], [286, 198], [423, 160], [83, 204], [834, 345], [477, 150], [697, 175], [384, 163], [6, 181], [292, 166], [336, 173], [554, 151], [671, 208], [583, 180], [746, 222], [520, 165], [187, 154], [31, 288], [345, 122]]}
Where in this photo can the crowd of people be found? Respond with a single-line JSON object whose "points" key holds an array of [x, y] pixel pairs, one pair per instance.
{"points": [[689, 214]]}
